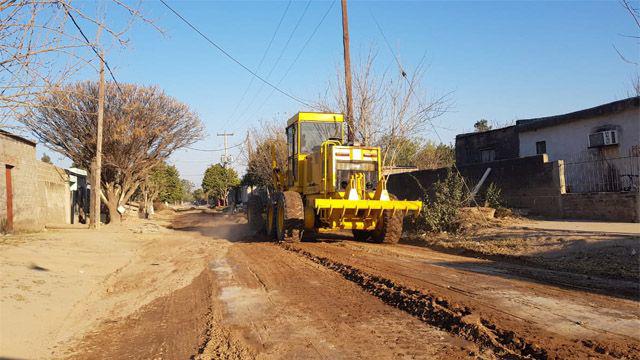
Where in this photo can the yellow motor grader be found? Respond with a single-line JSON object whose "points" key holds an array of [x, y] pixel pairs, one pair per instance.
{"points": [[328, 184]]}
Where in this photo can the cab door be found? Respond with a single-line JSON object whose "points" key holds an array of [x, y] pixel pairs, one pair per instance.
{"points": [[292, 154]]}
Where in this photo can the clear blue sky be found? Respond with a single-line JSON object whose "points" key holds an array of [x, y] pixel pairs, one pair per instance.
{"points": [[502, 60]]}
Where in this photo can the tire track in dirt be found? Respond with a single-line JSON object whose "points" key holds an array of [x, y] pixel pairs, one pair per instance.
{"points": [[434, 311], [470, 324]]}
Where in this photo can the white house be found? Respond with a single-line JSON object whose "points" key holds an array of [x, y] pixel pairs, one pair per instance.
{"points": [[611, 129]]}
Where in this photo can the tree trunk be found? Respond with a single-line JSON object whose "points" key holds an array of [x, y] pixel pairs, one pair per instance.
{"points": [[114, 215]]}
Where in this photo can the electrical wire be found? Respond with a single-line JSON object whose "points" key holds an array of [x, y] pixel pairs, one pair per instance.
{"points": [[214, 150], [106, 64], [304, 46], [228, 55], [264, 55], [435, 131], [273, 67]]}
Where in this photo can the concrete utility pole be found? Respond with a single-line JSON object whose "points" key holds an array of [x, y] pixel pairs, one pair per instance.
{"points": [[225, 158], [347, 72], [94, 219]]}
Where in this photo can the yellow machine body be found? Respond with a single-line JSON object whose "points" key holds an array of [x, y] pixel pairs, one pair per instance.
{"points": [[342, 186]]}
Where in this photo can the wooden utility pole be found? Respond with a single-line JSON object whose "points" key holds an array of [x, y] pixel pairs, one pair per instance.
{"points": [[94, 220], [347, 73], [225, 157]]}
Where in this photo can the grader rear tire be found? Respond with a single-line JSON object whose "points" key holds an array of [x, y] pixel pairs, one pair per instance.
{"points": [[289, 216], [255, 208], [270, 227]]}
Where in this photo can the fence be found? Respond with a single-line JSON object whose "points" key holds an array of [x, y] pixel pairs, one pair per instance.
{"points": [[601, 172]]}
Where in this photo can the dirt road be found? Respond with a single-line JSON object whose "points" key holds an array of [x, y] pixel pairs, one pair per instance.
{"points": [[333, 298]]}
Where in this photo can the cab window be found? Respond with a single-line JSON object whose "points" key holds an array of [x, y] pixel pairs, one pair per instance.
{"points": [[291, 140], [314, 133]]}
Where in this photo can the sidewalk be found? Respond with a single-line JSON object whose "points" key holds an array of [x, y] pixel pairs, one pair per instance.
{"points": [[586, 225]]}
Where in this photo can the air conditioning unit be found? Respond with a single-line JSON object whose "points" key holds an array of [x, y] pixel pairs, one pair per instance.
{"points": [[603, 138]]}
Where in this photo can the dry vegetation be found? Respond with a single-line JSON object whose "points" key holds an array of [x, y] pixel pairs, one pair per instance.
{"points": [[589, 253]]}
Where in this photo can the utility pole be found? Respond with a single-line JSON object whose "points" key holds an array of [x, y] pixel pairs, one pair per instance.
{"points": [[347, 73], [225, 158], [94, 216]]}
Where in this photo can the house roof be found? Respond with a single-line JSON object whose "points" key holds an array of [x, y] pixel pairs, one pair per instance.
{"points": [[476, 133], [17, 137], [601, 110]]}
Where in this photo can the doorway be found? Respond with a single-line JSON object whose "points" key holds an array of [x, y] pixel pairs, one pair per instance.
{"points": [[9, 186]]}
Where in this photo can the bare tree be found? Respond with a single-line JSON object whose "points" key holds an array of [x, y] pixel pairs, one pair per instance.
{"points": [[42, 45], [263, 140], [142, 127], [387, 109], [634, 13]]}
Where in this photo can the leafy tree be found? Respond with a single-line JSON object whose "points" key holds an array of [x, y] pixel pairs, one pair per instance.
{"points": [[435, 156], [421, 154], [187, 190], [143, 126], [482, 125], [218, 180], [199, 195], [45, 158], [171, 189]]}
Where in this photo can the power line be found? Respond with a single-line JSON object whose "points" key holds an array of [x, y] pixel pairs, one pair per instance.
{"points": [[264, 55], [106, 64], [304, 46], [273, 67], [214, 150], [404, 75], [230, 56]]}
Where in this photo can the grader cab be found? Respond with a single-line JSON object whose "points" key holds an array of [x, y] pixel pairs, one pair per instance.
{"points": [[328, 184]]}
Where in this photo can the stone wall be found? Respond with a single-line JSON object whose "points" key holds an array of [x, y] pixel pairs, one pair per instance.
{"points": [[40, 191]]}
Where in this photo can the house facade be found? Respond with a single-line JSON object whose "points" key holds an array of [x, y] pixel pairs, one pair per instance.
{"points": [[594, 155], [611, 129]]}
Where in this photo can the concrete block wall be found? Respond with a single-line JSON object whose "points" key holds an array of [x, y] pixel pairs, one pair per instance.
{"points": [[53, 187], [532, 182], [40, 191], [24, 176], [605, 206]]}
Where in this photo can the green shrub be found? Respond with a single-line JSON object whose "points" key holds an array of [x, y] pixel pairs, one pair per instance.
{"points": [[441, 213], [493, 196]]}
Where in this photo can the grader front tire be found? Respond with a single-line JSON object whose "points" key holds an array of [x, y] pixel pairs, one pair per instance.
{"points": [[389, 229], [289, 216]]}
